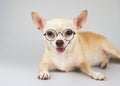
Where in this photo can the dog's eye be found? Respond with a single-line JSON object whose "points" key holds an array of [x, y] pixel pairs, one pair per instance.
{"points": [[50, 33], [69, 32]]}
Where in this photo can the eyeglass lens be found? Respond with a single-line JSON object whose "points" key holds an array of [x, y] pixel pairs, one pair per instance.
{"points": [[51, 34]]}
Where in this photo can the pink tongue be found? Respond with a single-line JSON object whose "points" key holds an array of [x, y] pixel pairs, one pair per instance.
{"points": [[60, 50]]}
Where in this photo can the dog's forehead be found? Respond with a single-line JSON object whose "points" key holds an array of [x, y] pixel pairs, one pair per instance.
{"points": [[59, 24]]}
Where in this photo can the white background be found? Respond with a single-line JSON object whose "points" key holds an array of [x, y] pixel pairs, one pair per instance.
{"points": [[21, 44]]}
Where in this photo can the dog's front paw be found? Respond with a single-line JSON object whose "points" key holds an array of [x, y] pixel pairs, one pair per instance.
{"points": [[98, 76], [44, 75]]}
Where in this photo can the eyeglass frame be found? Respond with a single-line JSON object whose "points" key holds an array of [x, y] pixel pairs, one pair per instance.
{"points": [[60, 33]]}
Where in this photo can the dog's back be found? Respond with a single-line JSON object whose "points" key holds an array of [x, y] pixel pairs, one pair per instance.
{"points": [[98, 48]]}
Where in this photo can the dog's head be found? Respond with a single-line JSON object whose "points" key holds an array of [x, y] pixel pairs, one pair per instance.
{"points": [[60, 33]]}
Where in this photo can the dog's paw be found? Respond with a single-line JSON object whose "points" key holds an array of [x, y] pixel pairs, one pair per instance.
{"points": [[98, 76], [44, 75]]}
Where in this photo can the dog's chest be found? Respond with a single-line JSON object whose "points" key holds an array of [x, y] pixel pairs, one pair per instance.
{"points": [[65, 62]]}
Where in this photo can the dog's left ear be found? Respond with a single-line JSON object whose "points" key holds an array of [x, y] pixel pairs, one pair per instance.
{"points": [[80, 19]]}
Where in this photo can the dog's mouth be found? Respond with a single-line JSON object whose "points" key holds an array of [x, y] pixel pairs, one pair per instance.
{"points": [[60, 50]]}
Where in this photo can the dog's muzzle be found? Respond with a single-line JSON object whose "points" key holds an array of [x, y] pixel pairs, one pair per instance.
{"points": [[60, 46], [59, 43]]}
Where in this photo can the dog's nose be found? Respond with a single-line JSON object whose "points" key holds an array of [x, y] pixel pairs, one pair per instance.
{"points": [[59, 43]]}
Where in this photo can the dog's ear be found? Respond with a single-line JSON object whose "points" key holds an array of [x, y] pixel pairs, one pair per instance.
{"points": [[80, 19], [38, 20]]}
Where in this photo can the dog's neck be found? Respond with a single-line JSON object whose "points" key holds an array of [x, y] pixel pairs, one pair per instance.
{"points": [[76, 45]]}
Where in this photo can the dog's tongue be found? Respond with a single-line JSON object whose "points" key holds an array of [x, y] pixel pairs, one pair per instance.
{"points": [[60, 50]]}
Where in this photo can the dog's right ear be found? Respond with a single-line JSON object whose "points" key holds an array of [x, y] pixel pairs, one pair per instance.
{"points": [[38, 20]]}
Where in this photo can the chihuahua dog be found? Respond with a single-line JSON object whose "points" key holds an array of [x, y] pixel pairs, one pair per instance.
{"points": [[67, 49]]}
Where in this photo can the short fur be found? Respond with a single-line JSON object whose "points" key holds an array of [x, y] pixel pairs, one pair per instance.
{"points": [[86, 49]]}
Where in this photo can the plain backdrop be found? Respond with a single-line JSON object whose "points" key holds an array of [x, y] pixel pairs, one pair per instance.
{"points": [[21, 44]]}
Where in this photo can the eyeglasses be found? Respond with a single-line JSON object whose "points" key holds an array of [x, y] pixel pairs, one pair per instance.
{"points": [[67, 34]]}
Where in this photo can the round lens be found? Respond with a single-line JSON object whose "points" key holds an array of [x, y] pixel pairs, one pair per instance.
{"points": [[68, 34], [50, 35]]}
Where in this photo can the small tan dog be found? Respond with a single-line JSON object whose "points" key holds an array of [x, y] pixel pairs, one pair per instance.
{"points": [[67, 49]]}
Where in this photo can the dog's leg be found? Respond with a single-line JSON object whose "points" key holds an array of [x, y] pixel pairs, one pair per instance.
{"points": [[85, 68], [104, 64], [105, 59], [110, 49], [44, 69]]}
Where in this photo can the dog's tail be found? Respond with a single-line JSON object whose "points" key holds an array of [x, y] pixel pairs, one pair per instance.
{"points": [[114, 53]]}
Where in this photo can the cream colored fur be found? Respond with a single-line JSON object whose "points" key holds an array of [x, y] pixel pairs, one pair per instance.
{"points": [[86, 49]]}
